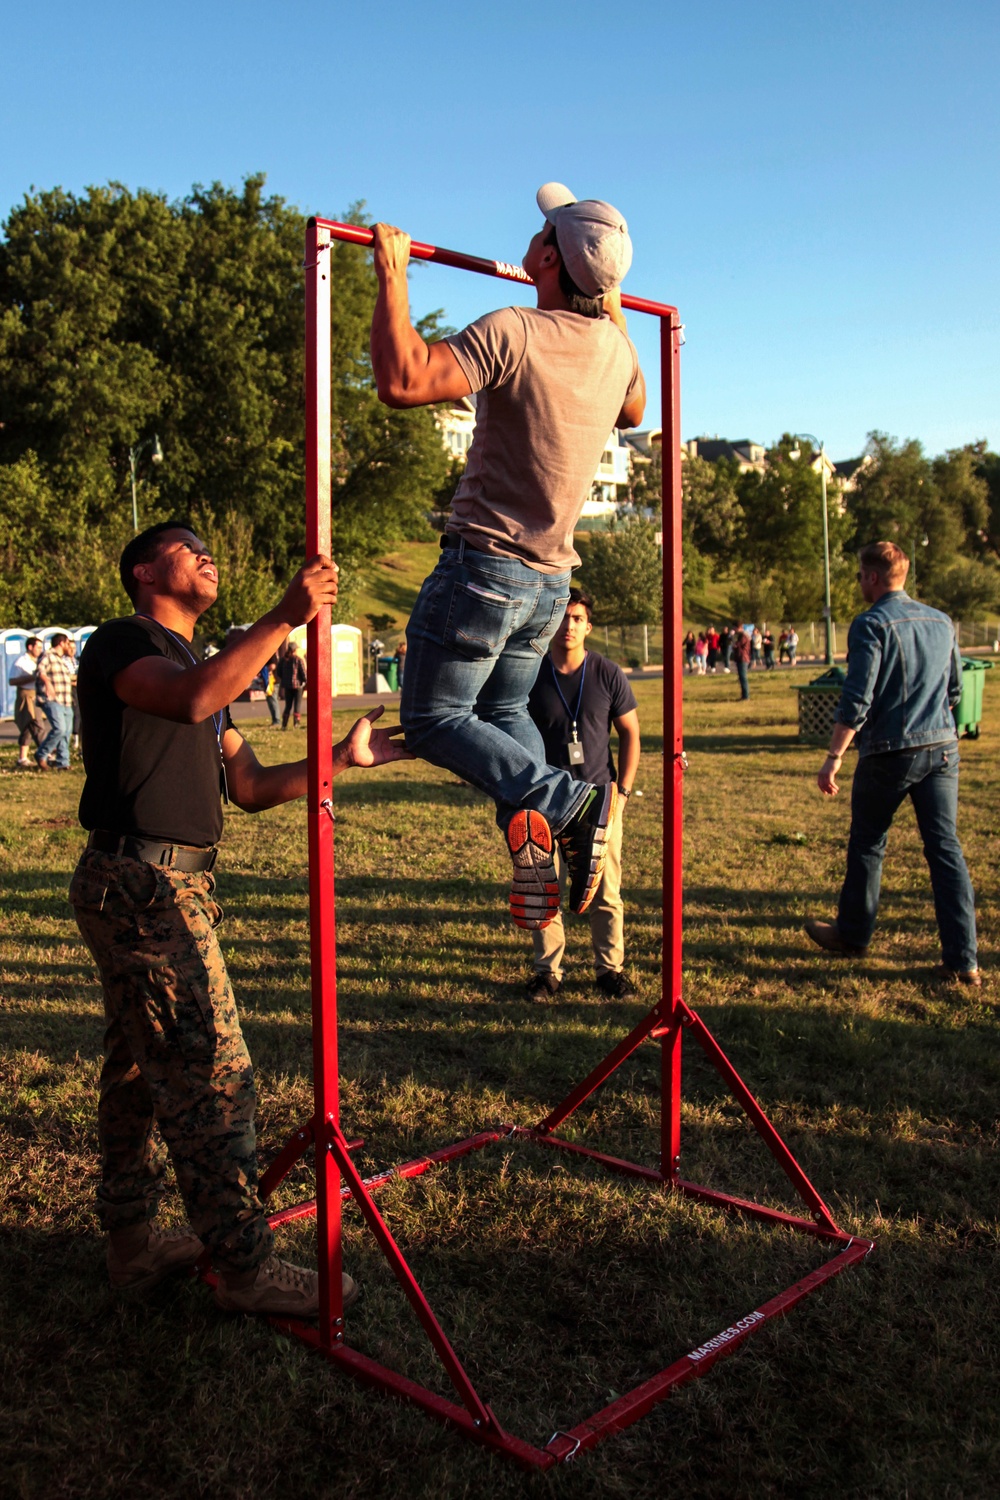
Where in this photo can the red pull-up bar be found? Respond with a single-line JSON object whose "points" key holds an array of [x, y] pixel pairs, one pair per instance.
{"points": [[357, 234]]}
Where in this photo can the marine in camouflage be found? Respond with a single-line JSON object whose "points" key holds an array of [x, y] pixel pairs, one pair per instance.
{"points": [[175, 1057]]}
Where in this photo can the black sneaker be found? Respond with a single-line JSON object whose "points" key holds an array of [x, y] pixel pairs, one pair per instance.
{"points": [[616, 986], [542, 985], [584, 845]]}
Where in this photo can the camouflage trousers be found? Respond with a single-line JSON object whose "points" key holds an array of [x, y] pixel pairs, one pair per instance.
{"points": [[174, 1055]]}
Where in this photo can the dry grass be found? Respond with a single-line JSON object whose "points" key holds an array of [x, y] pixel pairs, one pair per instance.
{"points": [[559, 1285]]}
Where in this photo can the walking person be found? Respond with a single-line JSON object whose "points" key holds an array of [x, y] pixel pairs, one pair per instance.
{"points": [[792, 645], [741, 657], [767, 642], [756, 642], [56, 678], [293, 682], [904, 676], [690, 642], [269, 683], [161, 755], [579, 696], [23, 677], [726, 648], [552, 381]]}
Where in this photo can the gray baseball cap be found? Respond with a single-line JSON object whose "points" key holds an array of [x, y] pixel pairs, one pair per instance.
{"points": [[592, 237]]}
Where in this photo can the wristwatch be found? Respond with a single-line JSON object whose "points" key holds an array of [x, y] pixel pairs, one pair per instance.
{"points": [[623, 793]]}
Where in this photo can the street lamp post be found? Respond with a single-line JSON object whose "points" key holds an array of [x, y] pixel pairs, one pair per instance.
{"points": [[134, 455], [827, 612]]}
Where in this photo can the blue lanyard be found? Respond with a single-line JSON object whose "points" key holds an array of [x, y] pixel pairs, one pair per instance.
{"points": [[574, 716], [216, 718]]}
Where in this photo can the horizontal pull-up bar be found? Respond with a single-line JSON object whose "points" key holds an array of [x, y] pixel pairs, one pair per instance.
{"points": [[357, 234]]}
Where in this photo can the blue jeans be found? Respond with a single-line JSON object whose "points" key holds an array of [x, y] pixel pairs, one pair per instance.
{"points": [[475, 641], [929, 777], [743, 673], [56, 743]]}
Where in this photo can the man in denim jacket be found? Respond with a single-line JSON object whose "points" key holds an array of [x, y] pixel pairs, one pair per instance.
{"points": [[904, 675]]}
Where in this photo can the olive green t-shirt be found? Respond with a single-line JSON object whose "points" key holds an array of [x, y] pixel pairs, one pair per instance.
{"points": [[550, 387]]}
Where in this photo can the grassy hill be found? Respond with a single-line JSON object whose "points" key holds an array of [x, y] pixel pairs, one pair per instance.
{"points": [[394, 582]]}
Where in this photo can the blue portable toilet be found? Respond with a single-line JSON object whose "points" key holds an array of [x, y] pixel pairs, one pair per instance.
{"points": [[82, 636], [12, 644]]}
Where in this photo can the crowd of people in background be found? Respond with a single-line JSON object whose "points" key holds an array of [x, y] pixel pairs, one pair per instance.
{"points": [[709, 651]]}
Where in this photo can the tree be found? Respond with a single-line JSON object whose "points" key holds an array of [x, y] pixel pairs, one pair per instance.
{"points": [[622, 572], [122, 315]]}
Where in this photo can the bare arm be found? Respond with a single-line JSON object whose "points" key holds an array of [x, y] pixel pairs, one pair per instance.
{"points": [[827, 778], [189, 695], [629, 748], [255, 787], [408, 371], [632, 412]]}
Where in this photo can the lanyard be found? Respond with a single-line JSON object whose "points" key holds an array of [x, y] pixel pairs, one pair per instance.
{"points": [[574, 715], [216, 718]]}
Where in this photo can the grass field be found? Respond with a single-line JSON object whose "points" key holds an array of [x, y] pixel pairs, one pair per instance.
{"points": [[559, 1285]]}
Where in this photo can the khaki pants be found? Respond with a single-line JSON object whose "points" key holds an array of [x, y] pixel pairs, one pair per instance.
{"points": [[605, 914], [28, 728]]}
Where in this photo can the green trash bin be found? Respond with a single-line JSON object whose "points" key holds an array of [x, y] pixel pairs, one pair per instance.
{"points": [[817, 705], [968, 710], [389, 667]]}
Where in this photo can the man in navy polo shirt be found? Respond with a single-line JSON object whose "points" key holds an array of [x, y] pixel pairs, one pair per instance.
{"points": [[578, 697]]}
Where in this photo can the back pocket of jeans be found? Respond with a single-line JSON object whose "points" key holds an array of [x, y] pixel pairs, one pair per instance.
{"points": [[544, 636], [480, 619]]}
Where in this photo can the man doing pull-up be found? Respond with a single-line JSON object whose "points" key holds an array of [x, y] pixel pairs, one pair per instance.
{"points": [[551, 382]]}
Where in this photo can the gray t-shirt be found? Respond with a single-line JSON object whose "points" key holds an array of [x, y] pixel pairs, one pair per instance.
{"points": [[551, 386]]}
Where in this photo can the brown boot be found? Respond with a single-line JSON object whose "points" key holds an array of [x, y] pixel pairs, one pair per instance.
{"points": [[276, 1288], [828, 937], [139, 1257]]}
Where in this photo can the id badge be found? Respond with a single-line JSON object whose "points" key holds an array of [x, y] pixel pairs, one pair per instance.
{"points": [[575, 750]]}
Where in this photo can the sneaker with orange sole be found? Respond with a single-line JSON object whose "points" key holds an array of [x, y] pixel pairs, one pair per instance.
{"points": [[584, 845], [534, 890]]}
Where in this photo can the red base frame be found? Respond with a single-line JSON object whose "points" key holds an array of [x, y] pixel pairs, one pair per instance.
{"points": [[336, 1176]]}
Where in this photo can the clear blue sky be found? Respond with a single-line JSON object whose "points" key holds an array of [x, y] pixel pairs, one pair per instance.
{"points": [[815, 186]]}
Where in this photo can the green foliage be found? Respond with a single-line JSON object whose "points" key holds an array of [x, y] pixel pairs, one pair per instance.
{"points": [[621, 570], [122, 315]]}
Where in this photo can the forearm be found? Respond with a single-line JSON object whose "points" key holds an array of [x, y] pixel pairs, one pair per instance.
{"points": [[196, 694], [258, 787], [629, 751], [399, 354], [840, 739]]}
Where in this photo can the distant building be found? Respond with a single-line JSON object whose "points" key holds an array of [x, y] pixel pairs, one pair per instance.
{"points": [[457, 424], [743, 452], [846, 471]]}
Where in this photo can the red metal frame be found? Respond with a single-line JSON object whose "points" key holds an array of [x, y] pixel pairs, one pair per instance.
{"points": [[336, 1176]]}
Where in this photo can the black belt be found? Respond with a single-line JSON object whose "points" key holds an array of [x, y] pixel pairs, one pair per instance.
{"points": [[188, 858], [450, 541]]}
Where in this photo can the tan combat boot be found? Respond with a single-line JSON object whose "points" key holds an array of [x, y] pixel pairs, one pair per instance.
{"points": [[139, 1257], [277, 1289]]}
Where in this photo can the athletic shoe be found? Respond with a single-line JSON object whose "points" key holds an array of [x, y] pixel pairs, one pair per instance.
{"points": [[616, 986], [542, 985], [534, 891], [962, 976], [584, 845], [276, 1289], [828, 937], [139, 1258]]}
